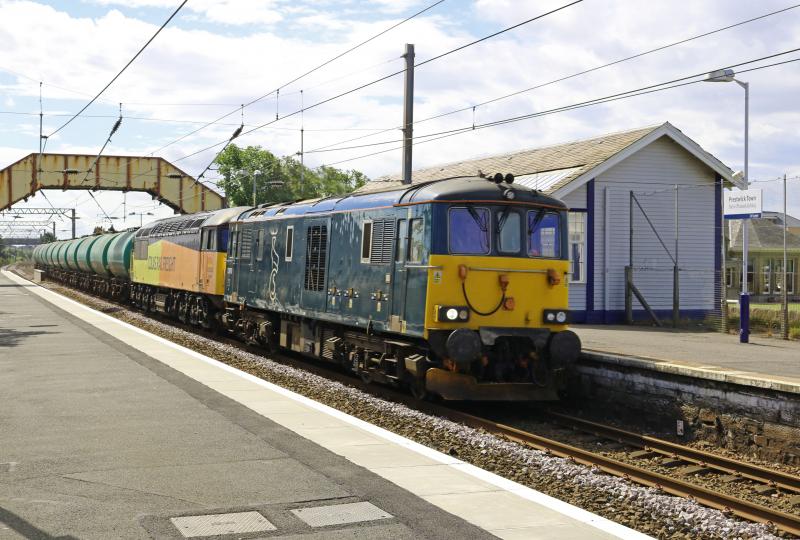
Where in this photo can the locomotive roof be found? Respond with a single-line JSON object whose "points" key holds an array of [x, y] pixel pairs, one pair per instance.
{"points": [[190, 221], [458, 189]]}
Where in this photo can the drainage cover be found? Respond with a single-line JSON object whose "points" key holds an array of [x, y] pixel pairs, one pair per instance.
{"points": [[340, 514], [216, 524]]}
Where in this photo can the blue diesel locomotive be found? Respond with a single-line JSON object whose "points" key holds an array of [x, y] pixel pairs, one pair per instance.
{"points": [[455, 287]]}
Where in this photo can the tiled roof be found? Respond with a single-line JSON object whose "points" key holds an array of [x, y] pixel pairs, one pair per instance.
{"points": [[764, 235], [573, 159]]}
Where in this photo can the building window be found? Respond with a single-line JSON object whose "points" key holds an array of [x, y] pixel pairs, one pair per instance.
{"points": [[750, 278], [777, 275], [730, 277], [577, 246], [765, 278]]}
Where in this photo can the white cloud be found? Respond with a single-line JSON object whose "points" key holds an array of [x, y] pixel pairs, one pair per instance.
{"points": [[231, 12], [203, 64]]}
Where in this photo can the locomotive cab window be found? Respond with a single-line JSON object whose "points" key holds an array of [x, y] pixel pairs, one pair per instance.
{"points": [[469, 230], [509, 231], [222, 239], [544, 234], [208, 239]]}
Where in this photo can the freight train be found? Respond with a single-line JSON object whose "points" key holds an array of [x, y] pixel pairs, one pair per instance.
{"points": [[455, 288]]}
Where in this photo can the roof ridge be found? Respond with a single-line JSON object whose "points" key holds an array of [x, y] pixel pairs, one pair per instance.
{"points": [[510, 155]]}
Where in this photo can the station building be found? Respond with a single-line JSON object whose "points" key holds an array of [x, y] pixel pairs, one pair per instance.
{"points": [[674, 188], [765, 258]]}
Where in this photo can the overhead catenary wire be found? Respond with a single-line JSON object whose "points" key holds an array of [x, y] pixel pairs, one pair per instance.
{"points": [[139, 52], [305, 74], [235, 134], [668, 85], [389, 76], [114, 129], [566, 77], [605, 99]]}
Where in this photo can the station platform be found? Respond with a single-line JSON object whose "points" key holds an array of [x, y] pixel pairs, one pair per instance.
{"points": [[765, 362], [108, 431]]}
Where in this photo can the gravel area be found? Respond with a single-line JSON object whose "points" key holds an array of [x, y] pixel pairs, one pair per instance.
{"points": [[641, 508]]}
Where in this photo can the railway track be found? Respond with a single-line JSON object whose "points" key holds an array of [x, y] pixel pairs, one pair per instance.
{"points": [[647, 446], [669, 484]]}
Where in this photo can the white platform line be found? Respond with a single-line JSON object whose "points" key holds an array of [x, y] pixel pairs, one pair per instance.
{"points": [[578, 514]]}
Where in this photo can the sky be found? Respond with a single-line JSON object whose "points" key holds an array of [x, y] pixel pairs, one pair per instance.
{"points": [[217, 54]]}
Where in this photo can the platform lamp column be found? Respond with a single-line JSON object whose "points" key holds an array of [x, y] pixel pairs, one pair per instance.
{"points": [[785, 284], [728, 75]]}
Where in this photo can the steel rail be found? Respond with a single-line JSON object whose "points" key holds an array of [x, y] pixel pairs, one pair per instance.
{"points": [[727, 504], [750, 471]]}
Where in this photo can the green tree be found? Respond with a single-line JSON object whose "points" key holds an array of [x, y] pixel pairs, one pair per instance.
{"points": [[278, 179], [48, 237]]}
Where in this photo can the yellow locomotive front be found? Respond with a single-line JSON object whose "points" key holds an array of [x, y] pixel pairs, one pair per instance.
{"points": [[497, 308]]}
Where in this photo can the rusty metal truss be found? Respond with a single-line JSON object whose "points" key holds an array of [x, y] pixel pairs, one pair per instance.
{"points": [[162, 180]]}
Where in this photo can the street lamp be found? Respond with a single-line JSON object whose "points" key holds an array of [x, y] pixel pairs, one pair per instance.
{"points": [[728, 75]]}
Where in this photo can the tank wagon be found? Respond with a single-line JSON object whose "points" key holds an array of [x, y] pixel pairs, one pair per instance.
{"points": [[455, 287]]}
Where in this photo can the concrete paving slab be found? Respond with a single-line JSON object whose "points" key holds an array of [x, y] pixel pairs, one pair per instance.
{"points": [[434, 480]]}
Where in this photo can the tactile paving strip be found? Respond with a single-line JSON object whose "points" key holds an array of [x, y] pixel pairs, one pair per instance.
{"points": [[217, 524], [340, 514]]}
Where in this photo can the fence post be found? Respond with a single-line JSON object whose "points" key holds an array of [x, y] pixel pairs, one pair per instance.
{"points": [[676, 294], [676, 290], [628, 295]]}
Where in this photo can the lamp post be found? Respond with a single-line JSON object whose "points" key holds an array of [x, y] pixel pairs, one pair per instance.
{"points": [[728, 75]]}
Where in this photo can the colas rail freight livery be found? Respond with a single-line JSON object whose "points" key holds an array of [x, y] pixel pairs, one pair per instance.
{"points": [[455, 287]]}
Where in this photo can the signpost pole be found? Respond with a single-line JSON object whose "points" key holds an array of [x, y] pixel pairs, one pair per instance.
{"points": [[744, 205], [744, 299]]}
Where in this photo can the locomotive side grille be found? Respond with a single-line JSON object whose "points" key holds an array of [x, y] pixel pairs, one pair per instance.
{"points": [[316, 244], [247, 243], [383, 232]]}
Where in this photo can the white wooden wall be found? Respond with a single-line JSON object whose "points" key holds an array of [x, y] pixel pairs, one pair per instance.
{"points": [[651, 173]]}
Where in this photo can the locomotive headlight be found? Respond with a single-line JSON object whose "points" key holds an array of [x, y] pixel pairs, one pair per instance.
{"points": [[452, 313], [556, 316]]}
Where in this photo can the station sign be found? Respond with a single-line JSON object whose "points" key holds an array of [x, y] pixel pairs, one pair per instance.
{"points": [[743, 204]]}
